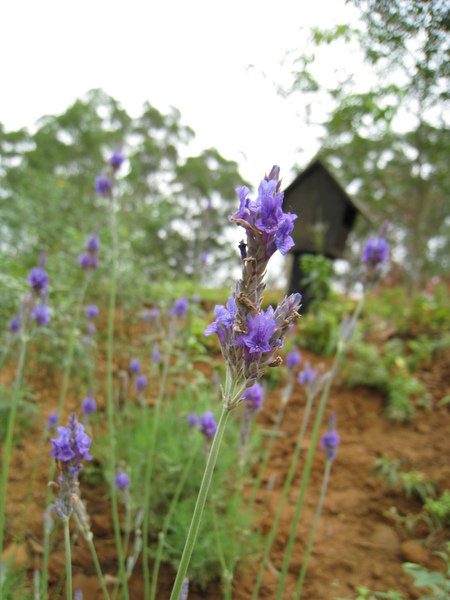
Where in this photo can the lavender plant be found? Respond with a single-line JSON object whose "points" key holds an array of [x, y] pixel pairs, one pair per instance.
{"points": [[248, 335]]}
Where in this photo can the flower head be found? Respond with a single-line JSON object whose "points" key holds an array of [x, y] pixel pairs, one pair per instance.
{"points": [[14, 324], [307, 375], [179, 308], [38, 280], [135, 366], [52, 420], [141, 383], [121, 481], [192, 419], [254, 397], [116, 160], [330, 440], [88, 406], [260, 330], [93, 244], [41, 314], [293, 359], [156, 355], [72, 444], [91, 311], [103, 185], [208, 425]]}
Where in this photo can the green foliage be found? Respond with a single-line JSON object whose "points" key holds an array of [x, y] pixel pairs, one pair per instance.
{"points": [[27, 412], [387, 469], [367, 594], [413, 482], [316, 272], [365, 366], [402, 389], [318, 331], [437, 584], [439, 509], [14, 584]]}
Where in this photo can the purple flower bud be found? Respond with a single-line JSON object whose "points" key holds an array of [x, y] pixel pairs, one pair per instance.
{"points": [[41, 314], [91, 311], [330, 440], [88, 406], [14, 324], [116, 160], [260, 329], [307, 375], [155, 355], [135, 366], [208, 425], [52, 420], [72, 443], [192, 419], [141, 383], [254, 397], [375, 252], [204, 258], [293, 359], [121, 481], [93, 244], [38, 280], [179, 308], [103, 185], [91, 329]]}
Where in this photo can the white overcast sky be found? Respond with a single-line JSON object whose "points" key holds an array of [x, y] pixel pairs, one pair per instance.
{"points": [[217, 62]]}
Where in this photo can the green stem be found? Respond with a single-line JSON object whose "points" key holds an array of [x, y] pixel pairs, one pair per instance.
{"points": [[284, 494], [8, 442], [110, 404], [88, 537], [169, 515], [200, 505], [326, 477], [62, 400], [149, 472], [68, 559]]}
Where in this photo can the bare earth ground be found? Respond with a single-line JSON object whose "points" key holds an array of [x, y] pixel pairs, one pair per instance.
{"points": [[358, 542]]}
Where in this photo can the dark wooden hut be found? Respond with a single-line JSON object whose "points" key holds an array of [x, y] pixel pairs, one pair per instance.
{"points": [[326, 215]]}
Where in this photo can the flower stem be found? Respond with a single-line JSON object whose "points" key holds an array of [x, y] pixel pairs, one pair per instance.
{"points": [[169, 516], [326, 477], [284, 494], [88, 537], [8, 442], [200, 505], [68, 559]]}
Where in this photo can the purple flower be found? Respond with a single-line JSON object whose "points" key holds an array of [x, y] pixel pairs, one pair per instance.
{"points": [[121, 481], [204, 258], [41, 314], [14, 324], [375, 252], [116, 160], [179, 308], [85, 261], [225, 318], [260, 329], [192, 419], [271, 215], [307, 375], [93, 244], [103, 185], [141, 383], [135, 366], [72, 443], [293, 359], [91, 311], [38, 280], [330, 440], [88, 406], [52, 420], [208, 425], [254, 397], [155, 355], [91, 329]]}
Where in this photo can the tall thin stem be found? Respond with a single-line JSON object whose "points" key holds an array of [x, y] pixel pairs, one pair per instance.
{"points": [[326, 477], [110, 402], [200, 505], [8, 442], [68, 559]]}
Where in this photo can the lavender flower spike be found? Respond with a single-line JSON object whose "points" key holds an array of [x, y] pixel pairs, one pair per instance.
{"points": [[121, 481], [293, 359], [331, 440], [91, 311], [179, 308], [135, 366], [41, 314], [208, 425], [88, 406], [141, 384], [103, 185], [254, 397]]}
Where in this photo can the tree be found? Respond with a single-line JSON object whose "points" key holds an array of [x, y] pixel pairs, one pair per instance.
{"points": [[47, 198], [390, 142]]}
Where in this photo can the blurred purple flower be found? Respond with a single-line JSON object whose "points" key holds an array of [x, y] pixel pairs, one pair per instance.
{"points": [[135, 366], [192, 419], [88, 406], [91, 311], [179, 308], [141, 383], [93, 244], [14, 324], [52, 420], [208, 425], [121, 481], [293, 359], [156, 355], [307, 375], [375, 252], [41, 314], [91, 329], [103, 185], [254, 397], [38, 280], [116, 160], [331, 440]]}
